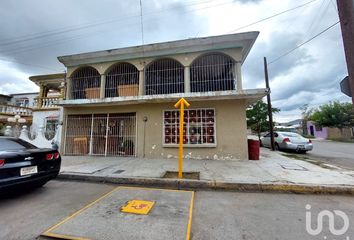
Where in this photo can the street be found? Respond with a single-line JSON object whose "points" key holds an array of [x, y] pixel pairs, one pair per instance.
{"points": [[337, 153], [216, 215]]}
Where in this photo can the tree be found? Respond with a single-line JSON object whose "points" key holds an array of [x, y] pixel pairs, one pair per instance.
{"points": [[305, 114], [334, 114], [257, 117]]}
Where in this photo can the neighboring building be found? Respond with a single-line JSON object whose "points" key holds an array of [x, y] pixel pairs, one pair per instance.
{"points": [[326, 132], [17, 104], [121, 101], [45, 111]]}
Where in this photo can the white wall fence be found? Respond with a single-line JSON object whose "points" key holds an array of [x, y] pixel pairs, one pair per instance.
{"points": [[39, 140]]}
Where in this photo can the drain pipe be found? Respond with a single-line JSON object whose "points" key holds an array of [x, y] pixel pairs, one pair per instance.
{"points": [[145, 120]]}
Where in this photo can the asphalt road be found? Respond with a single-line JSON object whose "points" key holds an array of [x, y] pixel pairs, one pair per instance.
{"points": [[336, 153], [216, 215]]}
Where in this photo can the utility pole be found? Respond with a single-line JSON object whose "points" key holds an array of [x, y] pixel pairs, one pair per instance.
{"points": [[346, 17], [270, 114]]}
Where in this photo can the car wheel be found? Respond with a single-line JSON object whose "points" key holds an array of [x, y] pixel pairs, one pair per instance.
{"points": [[260, 143]]}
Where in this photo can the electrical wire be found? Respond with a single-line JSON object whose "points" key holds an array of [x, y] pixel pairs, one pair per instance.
{"points": [[27, 64], [272, 16], [298, 46], [59, 31]]}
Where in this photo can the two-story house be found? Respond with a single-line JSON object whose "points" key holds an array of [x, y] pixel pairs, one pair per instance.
{"points": [[121, 101]]}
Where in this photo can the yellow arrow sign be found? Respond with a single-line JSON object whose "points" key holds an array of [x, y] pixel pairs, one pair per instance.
{"points": [[180, 104]]}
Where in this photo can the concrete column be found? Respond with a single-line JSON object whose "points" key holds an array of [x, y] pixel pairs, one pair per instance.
{"points": [[187, 79], [238, 76], [39, 100], [68, 88], [141, 83], [103, 86]]}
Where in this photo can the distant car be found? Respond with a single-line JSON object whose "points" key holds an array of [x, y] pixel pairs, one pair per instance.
{"points": [[288, 141], [23, 163]]}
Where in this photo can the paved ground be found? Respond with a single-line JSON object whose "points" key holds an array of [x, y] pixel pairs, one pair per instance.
{"points": [[216, 215], [273, 168], [336, 153], [25, 216]]}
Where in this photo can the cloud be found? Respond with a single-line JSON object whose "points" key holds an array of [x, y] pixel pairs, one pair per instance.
{"points": [[310, 74]]}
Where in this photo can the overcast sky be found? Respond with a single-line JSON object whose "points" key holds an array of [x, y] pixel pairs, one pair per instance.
{"points": [[35, 32]]}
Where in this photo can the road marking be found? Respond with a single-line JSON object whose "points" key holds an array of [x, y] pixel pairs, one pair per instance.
{"points": [[61, 236], [77, 212], [138, 207], [189, 226], [48, 232]]}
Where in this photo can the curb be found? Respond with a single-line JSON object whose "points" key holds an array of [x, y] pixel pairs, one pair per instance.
{"points": [[188, 184]]}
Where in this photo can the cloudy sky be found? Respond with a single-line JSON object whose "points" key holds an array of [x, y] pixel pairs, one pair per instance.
{"points": [[35, 32]]}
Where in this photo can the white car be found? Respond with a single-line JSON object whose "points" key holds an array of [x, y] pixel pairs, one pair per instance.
{"points": [[288, 141]]}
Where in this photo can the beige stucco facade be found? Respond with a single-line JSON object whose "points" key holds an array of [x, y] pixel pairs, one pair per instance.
{"points": [[231, 137], [206, 84]]}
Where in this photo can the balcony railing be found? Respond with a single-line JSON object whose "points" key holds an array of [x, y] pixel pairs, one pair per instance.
{"points": [[13, 110], [46, 102]]}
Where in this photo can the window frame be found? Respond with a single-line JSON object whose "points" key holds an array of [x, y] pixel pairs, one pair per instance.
{"points": [[189, 145]]}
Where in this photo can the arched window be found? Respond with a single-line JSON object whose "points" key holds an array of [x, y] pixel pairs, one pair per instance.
{"points": [[122, 80], [86, 83], [212, 72], [164, 76]]}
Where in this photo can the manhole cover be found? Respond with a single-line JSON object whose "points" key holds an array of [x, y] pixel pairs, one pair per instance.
{"points": [[293, 167], [185, 175]]}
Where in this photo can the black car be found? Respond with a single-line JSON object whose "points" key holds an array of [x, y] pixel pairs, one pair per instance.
{"points": [[22, 163]]}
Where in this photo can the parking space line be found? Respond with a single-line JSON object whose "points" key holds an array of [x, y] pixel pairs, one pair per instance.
{"points": [[189, 226], [77, 212], [49, 233], [61, 236]]}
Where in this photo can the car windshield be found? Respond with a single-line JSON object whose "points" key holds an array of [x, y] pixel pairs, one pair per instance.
{"points": [[289, 134], [14, 144]]}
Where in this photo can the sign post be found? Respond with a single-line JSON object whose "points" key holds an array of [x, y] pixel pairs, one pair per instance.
{"points": [[180, 104]]}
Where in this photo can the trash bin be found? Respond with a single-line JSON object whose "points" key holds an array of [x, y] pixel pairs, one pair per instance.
{"points": [[253, 149]]}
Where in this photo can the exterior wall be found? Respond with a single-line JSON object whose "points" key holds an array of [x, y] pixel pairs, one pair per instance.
{"points": [[337, 133], [40, 116], [231, 129], [317, 134], [30, 96], [185, 59], [330, 132]]}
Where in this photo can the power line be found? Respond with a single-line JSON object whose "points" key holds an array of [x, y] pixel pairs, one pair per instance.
{"points": [[275, 15], [290, 51], [30, 37], [29, 48], [28, 64], [141, 23]]}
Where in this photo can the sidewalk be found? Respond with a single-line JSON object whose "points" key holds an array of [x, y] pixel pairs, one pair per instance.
{"points": [[273, 172]]}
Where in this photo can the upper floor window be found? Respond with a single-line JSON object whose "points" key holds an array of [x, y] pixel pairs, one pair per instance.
{"points": [[22, 102], [122, 80], [86, 83], [164, 76], [212, 72]]}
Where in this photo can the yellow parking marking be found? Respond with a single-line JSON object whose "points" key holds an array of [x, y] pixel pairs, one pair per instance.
{"points": [[189, 226], [76, 213], [48, 232], [138, 207], [61, 236], [146, 188]]}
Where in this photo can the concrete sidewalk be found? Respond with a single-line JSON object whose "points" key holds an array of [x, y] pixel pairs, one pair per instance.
{"points": [[274, 172]]}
